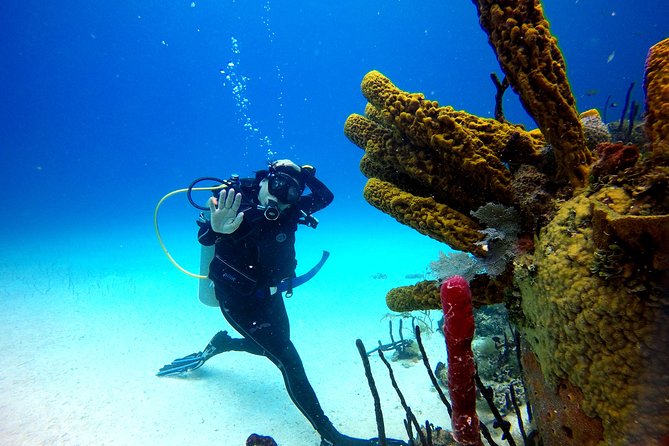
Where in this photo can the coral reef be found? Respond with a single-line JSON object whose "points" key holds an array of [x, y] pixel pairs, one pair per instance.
{"points": [[425, 215], [501, 237], [587, 283], [499, 243], [456, 300], [456, 263]]}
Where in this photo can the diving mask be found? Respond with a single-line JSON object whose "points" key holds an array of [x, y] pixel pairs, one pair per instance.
{"points": [[285, 187]]}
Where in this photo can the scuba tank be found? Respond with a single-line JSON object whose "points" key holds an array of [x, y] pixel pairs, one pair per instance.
{"points": [[206, 292]]}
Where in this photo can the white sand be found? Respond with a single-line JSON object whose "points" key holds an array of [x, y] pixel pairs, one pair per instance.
{"points": [[83, 335]]}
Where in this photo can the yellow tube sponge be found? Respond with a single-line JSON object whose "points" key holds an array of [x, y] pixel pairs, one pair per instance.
{"points": [[425, 215], [529, 56], [656, 84], [422, 296], [437, 152], [425, 295]]}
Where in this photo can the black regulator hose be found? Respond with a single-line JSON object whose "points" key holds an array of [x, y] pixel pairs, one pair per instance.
{"points": [[220, 182]]}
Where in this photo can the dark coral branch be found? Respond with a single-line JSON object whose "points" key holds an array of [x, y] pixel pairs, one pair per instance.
{"points": [[400, 345], [627, 102], [409, 429], [516, 339], [433, 378], [486, 434], [403, 402], [390, 331], [516, 408], [500, 88], [428, 433], [375, 393], [634, 109], [500, 422]]}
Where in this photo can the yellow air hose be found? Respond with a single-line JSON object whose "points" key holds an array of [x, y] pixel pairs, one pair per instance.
{"points": [[160, 239]]}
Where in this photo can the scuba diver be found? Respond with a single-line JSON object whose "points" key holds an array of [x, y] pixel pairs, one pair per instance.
{"points": [[252, 225]]}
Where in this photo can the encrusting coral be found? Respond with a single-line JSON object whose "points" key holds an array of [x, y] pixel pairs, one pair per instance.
{"points": [[588, 278], [594, 332]]}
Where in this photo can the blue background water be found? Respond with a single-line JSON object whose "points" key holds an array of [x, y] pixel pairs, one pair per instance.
{"points": [[106, 106]]}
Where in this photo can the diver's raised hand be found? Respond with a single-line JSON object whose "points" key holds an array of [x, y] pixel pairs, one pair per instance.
{"points": [[224, 216]]}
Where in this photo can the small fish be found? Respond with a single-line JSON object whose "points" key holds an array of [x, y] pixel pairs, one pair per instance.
{"points": [[611, 56], [592, 92], [613, 104]]}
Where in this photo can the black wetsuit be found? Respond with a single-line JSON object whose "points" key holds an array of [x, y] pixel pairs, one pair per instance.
{"points": [[257, 256]]}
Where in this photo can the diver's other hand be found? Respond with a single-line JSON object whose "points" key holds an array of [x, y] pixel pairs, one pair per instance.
{"points": [[224, 216], [308, 171]]}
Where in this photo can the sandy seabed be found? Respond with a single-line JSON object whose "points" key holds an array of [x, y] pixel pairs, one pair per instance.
{"points": [[84, 329]]}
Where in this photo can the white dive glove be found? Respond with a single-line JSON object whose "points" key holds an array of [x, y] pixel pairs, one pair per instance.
{"points": [[224, 216]]}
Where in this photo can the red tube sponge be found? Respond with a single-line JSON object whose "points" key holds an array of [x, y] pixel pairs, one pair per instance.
{"points": [[456, 300]]}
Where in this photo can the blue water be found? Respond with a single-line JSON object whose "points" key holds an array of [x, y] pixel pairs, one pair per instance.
{"points": [[107, 106]]}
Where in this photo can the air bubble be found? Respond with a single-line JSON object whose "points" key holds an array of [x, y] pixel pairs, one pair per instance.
{"points": [[239, 83]]}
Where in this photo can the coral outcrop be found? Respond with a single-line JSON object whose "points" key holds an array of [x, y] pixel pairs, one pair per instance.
{"points": [[587, 285], [593, 327], [425, 215], [260, 440], [612, 157]]}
